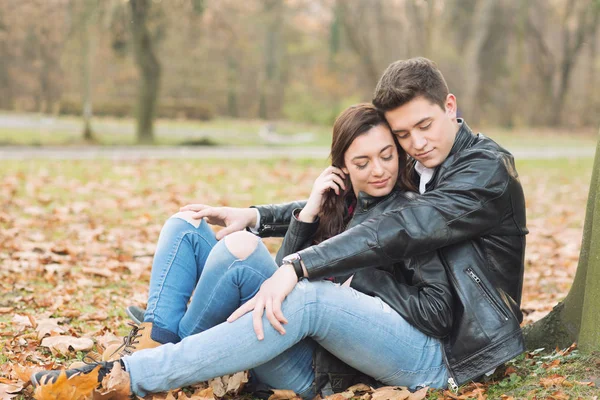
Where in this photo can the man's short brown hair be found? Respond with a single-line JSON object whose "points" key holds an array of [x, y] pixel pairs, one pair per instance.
{"points": [[404, 80]]}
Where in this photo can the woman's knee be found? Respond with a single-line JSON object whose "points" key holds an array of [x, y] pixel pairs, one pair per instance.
{"points": [[241, 244], [186, 216]]}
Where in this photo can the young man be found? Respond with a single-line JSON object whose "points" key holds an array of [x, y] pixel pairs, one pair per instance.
{"points": [[471, 211]]}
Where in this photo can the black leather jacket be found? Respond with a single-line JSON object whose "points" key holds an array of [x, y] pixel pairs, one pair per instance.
{"points": [[417, 288], [473, 214]]}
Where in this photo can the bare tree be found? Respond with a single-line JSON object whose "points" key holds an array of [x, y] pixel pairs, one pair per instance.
{"points": [[480, 25], [579, 21], [576, 318], [149, 67]]}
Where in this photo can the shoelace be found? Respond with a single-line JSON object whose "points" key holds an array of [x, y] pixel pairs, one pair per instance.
{"points": [[129, 341]]}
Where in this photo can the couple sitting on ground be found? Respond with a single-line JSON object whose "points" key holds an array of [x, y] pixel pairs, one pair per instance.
{"points": [[404, 266]]}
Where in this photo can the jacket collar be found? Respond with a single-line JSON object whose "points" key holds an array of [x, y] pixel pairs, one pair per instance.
{"points": [[365, 201], [464, 138]]}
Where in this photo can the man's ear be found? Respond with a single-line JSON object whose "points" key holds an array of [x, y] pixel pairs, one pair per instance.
{"points": [[451, 105]]}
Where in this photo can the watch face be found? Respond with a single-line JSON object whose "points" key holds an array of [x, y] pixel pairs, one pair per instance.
{"points": [[291, 258]]}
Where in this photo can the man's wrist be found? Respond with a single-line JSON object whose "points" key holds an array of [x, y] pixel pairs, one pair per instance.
{"points": [[296, 262]]}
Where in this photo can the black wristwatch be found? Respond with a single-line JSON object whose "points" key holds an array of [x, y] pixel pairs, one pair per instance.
{"points": [[295, 260]]}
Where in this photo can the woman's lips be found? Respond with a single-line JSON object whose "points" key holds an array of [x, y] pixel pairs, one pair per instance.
{"points": [[380, 184]]}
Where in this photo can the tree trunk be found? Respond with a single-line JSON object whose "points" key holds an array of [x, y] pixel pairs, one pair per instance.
{"points": [[149, 67], [87, 49], [576, 318], [480, 28], [358, 40]]}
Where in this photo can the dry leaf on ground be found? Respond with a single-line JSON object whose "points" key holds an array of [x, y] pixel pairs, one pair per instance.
{"points": [[8, 392], [78, 387], [283, 395], [419, 394], [390, 393], [48, 326], [63, 344]]}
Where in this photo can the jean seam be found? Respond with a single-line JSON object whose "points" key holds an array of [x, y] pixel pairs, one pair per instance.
{"points": [[373, 323], [221, 282], [167, 270]]}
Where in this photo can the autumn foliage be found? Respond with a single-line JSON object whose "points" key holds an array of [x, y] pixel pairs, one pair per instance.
{"points": [[77, 239]]}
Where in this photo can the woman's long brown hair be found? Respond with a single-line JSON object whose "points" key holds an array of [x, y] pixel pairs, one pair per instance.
{"points": [[351, 123]]}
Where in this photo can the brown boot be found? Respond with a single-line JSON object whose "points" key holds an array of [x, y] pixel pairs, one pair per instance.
{"points": [[137, 339]]}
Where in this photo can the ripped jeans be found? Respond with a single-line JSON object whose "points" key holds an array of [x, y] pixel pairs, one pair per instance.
{"points": [[361, 330]]}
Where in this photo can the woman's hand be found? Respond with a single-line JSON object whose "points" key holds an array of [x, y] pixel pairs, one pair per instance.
{"points": [[331, 178], [268, 300]]}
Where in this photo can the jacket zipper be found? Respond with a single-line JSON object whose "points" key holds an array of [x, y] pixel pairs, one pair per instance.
{"points": [[486, 293], [451, 382]]}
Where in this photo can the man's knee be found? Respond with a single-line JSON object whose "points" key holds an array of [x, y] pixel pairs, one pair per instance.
{"points": [[241, 244]]}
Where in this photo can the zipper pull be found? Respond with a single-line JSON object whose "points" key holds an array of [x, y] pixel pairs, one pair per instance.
{"points": [[473, 275], [453, 385]]}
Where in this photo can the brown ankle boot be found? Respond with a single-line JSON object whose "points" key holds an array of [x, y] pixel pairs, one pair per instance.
{"points": [[137, 339]]}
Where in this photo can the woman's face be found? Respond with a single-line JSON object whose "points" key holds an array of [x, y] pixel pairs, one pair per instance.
{"points": [[371, 161]]}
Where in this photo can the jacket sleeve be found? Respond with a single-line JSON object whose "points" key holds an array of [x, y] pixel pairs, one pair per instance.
{"points": [[471, 200], [425, 303], [275, 218], [298, 236]]}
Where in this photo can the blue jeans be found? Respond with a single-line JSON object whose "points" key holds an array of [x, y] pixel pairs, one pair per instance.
{"points": [[360, 330], [185, 263]]}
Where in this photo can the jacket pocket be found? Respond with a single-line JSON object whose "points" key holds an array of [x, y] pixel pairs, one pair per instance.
{"points": [[486, 293]]}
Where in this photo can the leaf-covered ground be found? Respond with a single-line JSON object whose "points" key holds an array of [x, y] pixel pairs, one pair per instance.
{"points": [[77, 238]]}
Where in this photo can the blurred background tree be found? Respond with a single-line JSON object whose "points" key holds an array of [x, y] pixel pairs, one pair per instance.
{"points": [[510, 62]]}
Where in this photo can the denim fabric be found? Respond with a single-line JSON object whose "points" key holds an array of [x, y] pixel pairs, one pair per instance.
{"points": [[361, 330], [189, 260]]}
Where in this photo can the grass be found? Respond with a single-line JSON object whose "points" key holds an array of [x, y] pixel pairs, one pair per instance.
{"points": [[106, 212], [40, 130]]}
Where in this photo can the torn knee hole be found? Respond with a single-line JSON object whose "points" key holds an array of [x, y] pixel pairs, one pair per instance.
{"points": [[241, 244]]}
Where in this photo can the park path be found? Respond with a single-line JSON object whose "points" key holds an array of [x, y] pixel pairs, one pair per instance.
{"points": [[224, 153]]}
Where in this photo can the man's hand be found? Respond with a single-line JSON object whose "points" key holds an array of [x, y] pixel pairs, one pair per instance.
{"points": [[268, 300], [233, 219]]}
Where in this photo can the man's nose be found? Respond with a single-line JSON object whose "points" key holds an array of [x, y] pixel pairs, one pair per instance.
{"points": [[419, 141]]}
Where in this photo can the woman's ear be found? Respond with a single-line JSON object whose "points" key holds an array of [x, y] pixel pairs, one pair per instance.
{"points": [[344, 170]]}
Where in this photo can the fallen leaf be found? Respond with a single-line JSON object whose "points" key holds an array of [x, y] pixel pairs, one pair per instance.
{"points": [[78, 387], [9, 391], [553, 380], [98, 271], [236, 382], [23, 373], [115, 385], [63, 344], [204, 394], [559, 396], [217, 386], [283, 395], [6, 310], [48, 326], [361, 387], [419, 394], [390, 393]]}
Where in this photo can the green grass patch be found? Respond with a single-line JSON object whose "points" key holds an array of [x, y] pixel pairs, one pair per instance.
{"points": [[43, 130]]}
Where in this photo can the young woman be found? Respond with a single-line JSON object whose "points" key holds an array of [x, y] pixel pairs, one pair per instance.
{"points": [[383, 320]]}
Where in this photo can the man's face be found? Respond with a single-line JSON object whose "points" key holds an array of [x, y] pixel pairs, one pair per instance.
{"points": [[424, 130]]}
